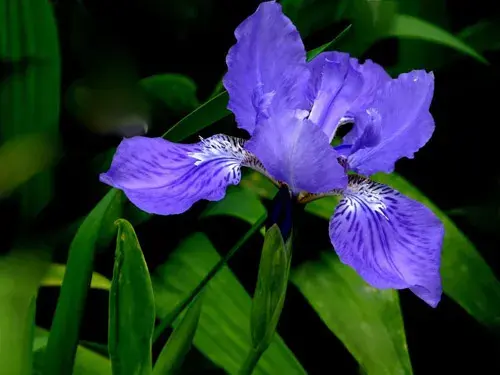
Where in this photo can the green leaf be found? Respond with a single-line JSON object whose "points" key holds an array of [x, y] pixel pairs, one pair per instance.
{"points": [[29, 97], [205, 115], [405, 26], [223, 333], [219, 87], [367, 320], [372, 17], [107, 232], [20, 274], [327, 46], [87, 362], [119, 207], [269, 295], [240, 203], [483, 36], [55, 274], [63, 339], [179, 343], [466, 277], [131, 307], [418, 53], [115, 210], [176, 91]]}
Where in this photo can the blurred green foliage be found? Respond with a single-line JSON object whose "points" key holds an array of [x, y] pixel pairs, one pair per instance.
{"points": [[193, 289], [29, 98]]}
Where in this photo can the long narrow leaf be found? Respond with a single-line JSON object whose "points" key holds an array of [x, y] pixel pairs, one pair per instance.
{"points": [[131, 307], [405, 26], [483, 36], [208, 113], [179, 343], [269, 295], [328, 46], [63, 339]]}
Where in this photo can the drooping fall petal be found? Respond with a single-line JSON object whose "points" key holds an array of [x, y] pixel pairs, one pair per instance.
{"points": [[392, 241]]}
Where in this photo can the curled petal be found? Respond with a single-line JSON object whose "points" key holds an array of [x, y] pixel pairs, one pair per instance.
{"points": [[267, 69], [339, 87], [406, 123], [368, 130], [390, 240], [297, 152], [166, 178], [374, 77]]}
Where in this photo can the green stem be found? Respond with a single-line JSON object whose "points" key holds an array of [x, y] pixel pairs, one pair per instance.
{"points": [[170, 318], [251, 361]]}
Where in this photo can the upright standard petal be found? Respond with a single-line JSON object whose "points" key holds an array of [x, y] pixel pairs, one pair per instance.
{"points": [[336, 91], [166, 178], [374, 77], [390, 240], [266, 66], [406, 123], [340, 86], [365, 133], [295, 151]]}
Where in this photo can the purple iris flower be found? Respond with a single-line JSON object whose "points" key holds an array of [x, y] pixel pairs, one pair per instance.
{"points": [[292, 109]]}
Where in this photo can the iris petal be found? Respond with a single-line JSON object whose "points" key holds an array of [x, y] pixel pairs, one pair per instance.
{"points": [[406, 123], [297, 152], [267, 69], [390, 240], [166, 178], [340, 87], [369, 127]]}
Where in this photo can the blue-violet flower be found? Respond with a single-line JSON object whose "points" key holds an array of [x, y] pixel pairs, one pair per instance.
{"points": [[292, 109]]}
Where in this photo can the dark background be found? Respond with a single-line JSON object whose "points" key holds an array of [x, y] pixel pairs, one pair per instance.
{"points": [[458, 169]]}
